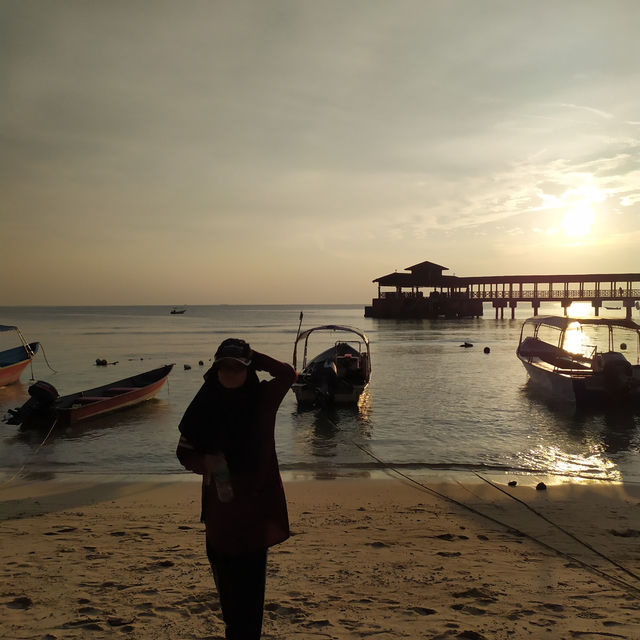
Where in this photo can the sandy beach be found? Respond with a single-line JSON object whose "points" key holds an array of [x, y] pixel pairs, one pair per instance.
{"points": [[375, 559]]}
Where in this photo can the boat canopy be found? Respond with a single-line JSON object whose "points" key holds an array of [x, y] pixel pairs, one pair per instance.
{"points": [[333, 327], [562, 322], [327, 327]]}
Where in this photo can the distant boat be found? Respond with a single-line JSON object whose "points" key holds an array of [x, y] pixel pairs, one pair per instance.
{"points": [[612, 308], [44, 405], [575, 359], [14, 361], [339, 374], [177, 311]]}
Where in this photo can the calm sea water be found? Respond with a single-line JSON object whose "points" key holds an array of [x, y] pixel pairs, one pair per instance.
{"points": [[431, 404]]}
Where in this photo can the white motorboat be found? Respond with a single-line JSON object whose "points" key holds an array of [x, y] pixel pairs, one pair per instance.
{"points": [[337, 375], [589, 361]]}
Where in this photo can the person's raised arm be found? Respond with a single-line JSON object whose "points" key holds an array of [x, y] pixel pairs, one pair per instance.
{"points": [[284, 374]]}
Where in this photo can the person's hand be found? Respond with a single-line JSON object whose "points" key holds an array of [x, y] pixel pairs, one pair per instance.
{"points": [[210, 463]]}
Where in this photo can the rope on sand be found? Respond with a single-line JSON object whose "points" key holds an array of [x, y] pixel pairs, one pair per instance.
{"points": [[560, 528], [630, 588]]}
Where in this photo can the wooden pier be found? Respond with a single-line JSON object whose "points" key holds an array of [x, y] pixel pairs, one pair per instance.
{"points": [[423, 291]]}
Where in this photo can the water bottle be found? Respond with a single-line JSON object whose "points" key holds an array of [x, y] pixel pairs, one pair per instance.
{"points": [[222, 478]]}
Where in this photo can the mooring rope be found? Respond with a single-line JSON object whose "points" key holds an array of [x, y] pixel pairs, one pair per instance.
{"points": [[632, 589], [19, 471], [44, 353], [560, 528]]}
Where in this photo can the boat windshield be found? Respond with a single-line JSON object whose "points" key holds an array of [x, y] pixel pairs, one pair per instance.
{"points": [[570, 337], [574, 340], [587, 339], [547, 333], [617, 338]]}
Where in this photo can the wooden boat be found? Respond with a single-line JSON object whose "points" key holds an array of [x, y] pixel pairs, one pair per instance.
{"points": [[175, 311], [576, 359], [339, 374], [15, 360], [45, 405]]}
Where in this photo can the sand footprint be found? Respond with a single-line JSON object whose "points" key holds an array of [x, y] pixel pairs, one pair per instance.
{"points": [[20, 602]]}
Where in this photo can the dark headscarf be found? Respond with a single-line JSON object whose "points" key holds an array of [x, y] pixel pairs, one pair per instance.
{"points": [[225, 420]]}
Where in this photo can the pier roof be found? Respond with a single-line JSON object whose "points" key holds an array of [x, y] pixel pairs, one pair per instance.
{"points": [[396, 280], [426, 265]]}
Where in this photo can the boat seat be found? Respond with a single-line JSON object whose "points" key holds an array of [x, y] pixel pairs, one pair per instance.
{"points": [[116, 391], [535, 348]]}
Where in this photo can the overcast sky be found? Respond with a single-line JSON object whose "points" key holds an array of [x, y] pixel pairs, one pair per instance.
{"points": [[274, 151]]}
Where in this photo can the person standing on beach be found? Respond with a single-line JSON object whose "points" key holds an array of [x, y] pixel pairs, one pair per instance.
{"points": [[227, 436]]}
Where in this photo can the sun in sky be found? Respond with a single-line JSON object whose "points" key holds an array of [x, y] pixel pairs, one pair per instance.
{"points": [[577, 222], [575, 209]]}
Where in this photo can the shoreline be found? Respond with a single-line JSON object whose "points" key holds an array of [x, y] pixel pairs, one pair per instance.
{"points": [[422, 475], [382, 559]]}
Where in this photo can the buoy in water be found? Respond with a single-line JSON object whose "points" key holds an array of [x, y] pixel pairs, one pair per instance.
{"points": [[487, 350]]}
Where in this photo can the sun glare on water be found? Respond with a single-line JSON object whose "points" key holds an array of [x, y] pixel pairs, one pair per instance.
{"points": [[581, 310]]}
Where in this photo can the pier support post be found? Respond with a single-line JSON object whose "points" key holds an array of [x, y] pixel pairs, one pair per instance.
{"points": [[535, 305], [596, 303], [499, 304], [513, 304], [628, 304], [566, 303]]}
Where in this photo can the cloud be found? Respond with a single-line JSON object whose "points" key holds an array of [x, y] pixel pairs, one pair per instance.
{"points": [[597, 112], [341, 133]]}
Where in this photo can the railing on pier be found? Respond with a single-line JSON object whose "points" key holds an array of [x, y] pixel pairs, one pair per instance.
{"points": [[389, 295], [556, 294], [526, 295]]}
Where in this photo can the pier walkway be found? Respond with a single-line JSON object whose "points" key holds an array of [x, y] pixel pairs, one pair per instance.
{"points": [[423, 291]]}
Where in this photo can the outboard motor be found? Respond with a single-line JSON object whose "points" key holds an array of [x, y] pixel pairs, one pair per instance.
{"points": [[43, 392], [43, 395], [617, 372], [324, 378]]}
